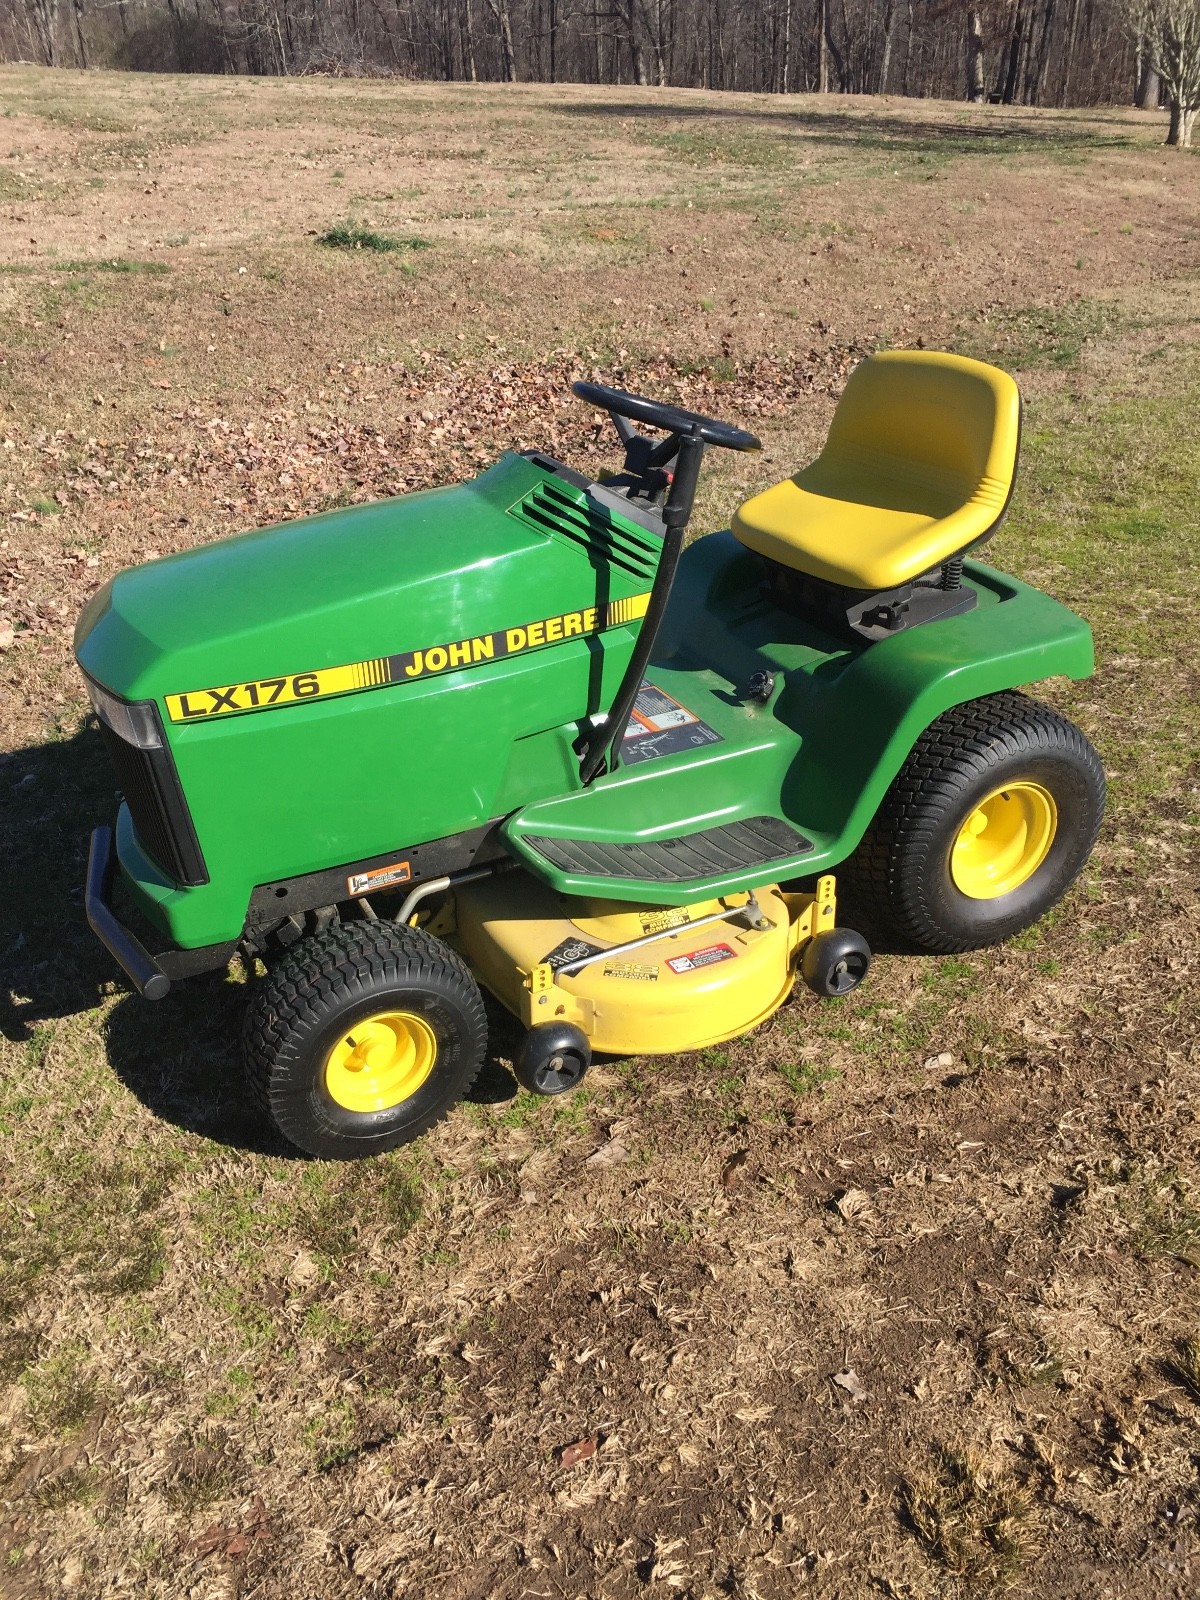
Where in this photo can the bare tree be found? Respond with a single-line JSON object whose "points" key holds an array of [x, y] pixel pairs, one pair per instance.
{"points": [[1045, 51], [1167, 33], [1175, 42], [500, 11], [976, 84]]}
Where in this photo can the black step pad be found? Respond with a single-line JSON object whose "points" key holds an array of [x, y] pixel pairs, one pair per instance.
{"points": [[730, 848]]}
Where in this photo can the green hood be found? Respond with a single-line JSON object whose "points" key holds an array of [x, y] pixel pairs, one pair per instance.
{"points": [[367, 581]]}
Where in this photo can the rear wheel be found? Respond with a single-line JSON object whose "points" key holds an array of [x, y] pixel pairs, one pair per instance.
{"points": [[363, 1037], [988, 824]]}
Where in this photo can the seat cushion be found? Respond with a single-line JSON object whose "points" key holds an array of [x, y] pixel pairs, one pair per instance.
{"points": [[918, 466]]}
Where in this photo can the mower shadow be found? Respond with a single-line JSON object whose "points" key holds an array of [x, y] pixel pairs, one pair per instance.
{"points": [[51, 796], [178, 1056]]}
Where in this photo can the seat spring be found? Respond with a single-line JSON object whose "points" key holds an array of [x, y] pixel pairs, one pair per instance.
{"points": [[952, 572]]}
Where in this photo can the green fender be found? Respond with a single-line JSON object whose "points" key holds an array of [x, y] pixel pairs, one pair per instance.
{"points": [[820, 756]]}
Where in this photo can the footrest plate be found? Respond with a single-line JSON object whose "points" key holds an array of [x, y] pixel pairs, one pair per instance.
{"points": [[732, 847]]}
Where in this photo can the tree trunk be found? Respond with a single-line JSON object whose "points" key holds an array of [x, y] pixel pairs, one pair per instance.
{"points": [[1183, 120], [508, 55], [469, 30], [1039, 58], [1149, 89], [976, 87], [637, 55], [839, 64], [45, 16], [889, 19], [822, 46], [1009, 92], [77, 7], [787, 47], [1064, 98]]}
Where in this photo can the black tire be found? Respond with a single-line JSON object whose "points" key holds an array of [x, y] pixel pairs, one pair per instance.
{"points": [[900, 876], [318, 992], [835, 962]]}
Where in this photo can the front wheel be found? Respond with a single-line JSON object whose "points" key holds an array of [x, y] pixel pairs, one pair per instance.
{"points": [[987, 825], [363, 1037]]}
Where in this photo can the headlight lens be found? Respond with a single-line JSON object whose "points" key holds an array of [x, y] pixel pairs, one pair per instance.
{"points": [[137, 723]]}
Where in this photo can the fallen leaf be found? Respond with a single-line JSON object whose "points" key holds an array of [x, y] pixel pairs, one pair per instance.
{"points": [[581, 1450], [608, 1155], [304, 1269], [7, 637], [214, 1538], [849, 1381], [936, 1063], [854, 1203]]}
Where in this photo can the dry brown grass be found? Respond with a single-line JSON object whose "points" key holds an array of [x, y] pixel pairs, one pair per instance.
{"points": [[227, 1372]]}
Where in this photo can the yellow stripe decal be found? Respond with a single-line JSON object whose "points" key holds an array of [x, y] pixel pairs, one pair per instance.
{"points": [[263, 694]]}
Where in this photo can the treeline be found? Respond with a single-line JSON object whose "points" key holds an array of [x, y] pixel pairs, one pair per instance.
{"points": [[1034, 52]]}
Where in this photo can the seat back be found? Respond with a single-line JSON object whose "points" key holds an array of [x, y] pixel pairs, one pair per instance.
{"points": [[923, 431]]}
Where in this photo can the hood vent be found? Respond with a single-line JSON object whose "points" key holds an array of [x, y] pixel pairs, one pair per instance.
{"points": [[553, 510]]}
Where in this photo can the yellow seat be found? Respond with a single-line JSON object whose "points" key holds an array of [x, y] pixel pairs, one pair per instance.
{"points": [[918, 465]]}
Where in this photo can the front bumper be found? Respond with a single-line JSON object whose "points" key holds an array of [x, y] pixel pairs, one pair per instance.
{"points": [[151, 976], [139, 966]]}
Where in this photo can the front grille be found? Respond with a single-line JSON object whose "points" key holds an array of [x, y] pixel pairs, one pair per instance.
{"points": [[588, 525], [150, 784]]}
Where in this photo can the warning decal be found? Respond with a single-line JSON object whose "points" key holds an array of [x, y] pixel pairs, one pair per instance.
{"points": [[359, 883], [707, 957], [263, 694], [660, 726]]}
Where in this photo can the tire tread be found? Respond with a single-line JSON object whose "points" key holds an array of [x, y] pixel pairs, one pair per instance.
{"points": [[967, 738], [337, 966]]}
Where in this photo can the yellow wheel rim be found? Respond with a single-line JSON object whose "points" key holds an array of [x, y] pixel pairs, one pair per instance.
{"points": [[1004, 841], [381, 1061]]}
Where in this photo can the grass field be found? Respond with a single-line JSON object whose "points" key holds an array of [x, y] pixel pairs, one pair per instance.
{"points": [[226, 1371]]}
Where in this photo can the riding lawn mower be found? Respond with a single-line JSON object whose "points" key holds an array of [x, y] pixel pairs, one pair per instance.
{"points": [[512, 735]]}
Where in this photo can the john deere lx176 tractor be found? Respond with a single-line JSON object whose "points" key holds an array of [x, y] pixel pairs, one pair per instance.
{"points": [[512, 734]]}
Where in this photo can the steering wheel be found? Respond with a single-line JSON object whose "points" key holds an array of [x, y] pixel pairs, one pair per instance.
{"points": [[658, 415]]}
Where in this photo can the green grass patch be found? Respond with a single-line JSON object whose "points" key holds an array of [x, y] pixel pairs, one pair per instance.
{"points": [[353, 236], [118, 264], [1033, 337], [803, 1077], [701, 147], [61, 1393], [1161, 1210]]}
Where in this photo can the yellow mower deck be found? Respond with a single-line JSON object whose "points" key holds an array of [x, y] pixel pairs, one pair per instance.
{"points": [[697, 984]]}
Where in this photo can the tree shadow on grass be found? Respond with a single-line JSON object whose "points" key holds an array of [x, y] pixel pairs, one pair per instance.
{"points": [[867, 130]]}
